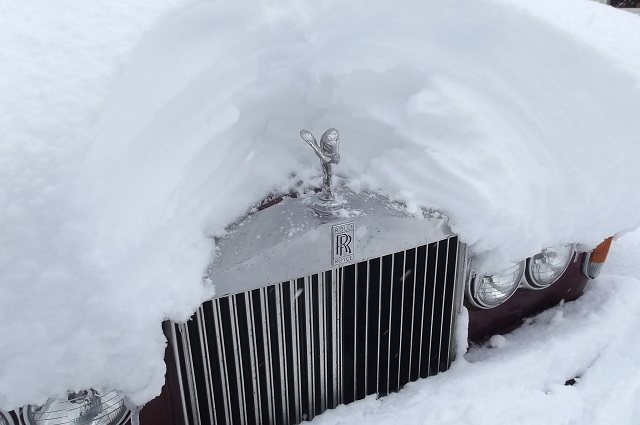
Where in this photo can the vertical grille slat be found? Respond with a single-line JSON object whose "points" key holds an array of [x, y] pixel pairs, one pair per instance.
{"points": [[335, 341], [378, 351], [355, 334], [426, 365], [386, 302], [282, 353], [188, 359], [223, 384], [360, 361], [253, 356], [295, 344], [267, 363], [388, 344], [418, 333], [438, 317], [366, 330], [408, 289], [309, 332], [401, 282], [413, 312], [447, 307], [237, 359], [177, 355], [285, 353], [211, 405], [321, 343]]}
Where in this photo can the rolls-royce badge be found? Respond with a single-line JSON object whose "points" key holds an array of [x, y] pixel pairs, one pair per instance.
{"points": [[342, 243]]}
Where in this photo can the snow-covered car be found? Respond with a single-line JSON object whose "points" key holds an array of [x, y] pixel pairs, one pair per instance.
{"points": [[316, 311], [316, 308], [170, 240]]}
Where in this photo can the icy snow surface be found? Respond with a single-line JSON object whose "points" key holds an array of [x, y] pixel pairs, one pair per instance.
{"points": [[130, 131]]}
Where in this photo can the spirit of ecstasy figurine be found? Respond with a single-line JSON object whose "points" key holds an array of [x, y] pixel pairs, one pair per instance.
{"points": [[328, 150]]}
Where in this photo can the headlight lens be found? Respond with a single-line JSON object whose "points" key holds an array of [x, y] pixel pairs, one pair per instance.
{"points": [[80, 408], [545, 268], [491, 290]]}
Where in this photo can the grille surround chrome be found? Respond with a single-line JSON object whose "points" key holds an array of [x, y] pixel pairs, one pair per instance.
{"points": [[287, 240], [298, 334]]}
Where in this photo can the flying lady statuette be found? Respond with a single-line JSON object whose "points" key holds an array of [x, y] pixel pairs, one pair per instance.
{"points": [[328, 150]]}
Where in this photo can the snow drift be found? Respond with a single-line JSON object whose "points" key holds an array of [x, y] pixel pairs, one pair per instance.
{"points": [[132, 134]]}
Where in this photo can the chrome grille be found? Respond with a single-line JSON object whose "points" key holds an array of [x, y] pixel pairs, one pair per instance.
{"points": [[285, 353]]}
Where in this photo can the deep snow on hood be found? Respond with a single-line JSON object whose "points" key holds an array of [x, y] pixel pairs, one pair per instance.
{"points": [[131, 132]]}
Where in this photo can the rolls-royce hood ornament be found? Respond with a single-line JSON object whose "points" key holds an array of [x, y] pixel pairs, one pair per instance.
{"points": [[328, 150]]}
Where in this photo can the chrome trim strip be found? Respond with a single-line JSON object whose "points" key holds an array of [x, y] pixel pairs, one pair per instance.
{"points": [[462, 266], [585, 264], [589, 269]]}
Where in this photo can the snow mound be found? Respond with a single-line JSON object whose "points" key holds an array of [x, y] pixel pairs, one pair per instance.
{"points": [[133, 134]]}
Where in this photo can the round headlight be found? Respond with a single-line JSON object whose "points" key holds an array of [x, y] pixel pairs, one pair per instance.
{"points": [[546, 267], [5, 418], [80, 408], [491, 290]]}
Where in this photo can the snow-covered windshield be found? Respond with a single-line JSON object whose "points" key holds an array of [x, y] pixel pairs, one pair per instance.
{"points": [[130, 132]]}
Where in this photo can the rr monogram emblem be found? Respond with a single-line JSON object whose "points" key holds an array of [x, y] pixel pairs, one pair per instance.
{"points": [[342, 244]]}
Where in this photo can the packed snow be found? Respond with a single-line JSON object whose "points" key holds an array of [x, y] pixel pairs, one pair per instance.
{"points": [[133, 131]]}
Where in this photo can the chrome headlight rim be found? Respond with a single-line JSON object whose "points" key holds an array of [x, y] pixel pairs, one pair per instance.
{"points": [[532, 283], [473, 282], [113, 410]]}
